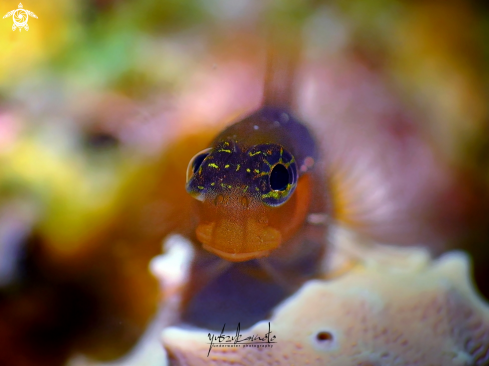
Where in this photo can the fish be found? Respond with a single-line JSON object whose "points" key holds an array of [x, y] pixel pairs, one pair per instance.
{"points": [[254, 189], [254, 186]]}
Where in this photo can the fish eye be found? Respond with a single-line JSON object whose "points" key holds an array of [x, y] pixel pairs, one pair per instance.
{"points": [[279, 178], [282, 181], [277, 171], [196, 162]]}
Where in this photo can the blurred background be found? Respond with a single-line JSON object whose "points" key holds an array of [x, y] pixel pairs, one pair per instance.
{"points": [[104, 102]]}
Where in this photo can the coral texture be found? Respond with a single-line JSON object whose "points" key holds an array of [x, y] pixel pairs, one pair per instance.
{"points": [[372, 316]]}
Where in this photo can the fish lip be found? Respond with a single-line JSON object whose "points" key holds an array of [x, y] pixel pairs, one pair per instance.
{"points": [[237, 257]]}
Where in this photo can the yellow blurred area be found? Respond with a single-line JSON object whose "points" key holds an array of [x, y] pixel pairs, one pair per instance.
{"points": [[436, 57], [22, 50], [76, 201]]}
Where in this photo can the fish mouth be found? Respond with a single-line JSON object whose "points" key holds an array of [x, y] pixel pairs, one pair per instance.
{"points": [[236, 257], [238, 241]]}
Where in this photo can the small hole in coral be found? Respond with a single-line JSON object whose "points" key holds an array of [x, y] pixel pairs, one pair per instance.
{"points": [[324, 336]]}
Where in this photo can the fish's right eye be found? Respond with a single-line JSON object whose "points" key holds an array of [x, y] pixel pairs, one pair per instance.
{"points": [[196, 162]]}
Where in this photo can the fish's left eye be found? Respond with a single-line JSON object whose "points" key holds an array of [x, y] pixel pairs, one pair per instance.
{"points": [[282, 180], [196, 162], [279, 178]]}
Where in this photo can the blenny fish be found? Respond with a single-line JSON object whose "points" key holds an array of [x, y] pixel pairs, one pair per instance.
{"points": [[254, 185], [255, 188]]}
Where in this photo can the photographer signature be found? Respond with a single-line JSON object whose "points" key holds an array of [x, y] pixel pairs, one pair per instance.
{"points": [[237, 339]]}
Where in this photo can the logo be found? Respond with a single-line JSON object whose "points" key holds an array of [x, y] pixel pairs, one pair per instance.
{"points": [[237, 340], [20, 17]]}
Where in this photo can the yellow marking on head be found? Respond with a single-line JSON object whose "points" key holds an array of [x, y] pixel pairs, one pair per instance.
{"points": [[239, 166], [257, 171], [277, 194], [266, 161], [213, 165], [290, 162], [246, 188], [253, 154], [200, 187], [226, 166], [213, 184], [225, 150], [248, 170]]}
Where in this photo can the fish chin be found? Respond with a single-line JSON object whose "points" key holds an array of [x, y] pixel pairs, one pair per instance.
{"points": [[236, 242], [237, 257]]}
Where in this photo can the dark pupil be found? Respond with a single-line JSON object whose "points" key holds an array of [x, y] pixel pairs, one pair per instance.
{"points": [[279, 178], [197, 161]]}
